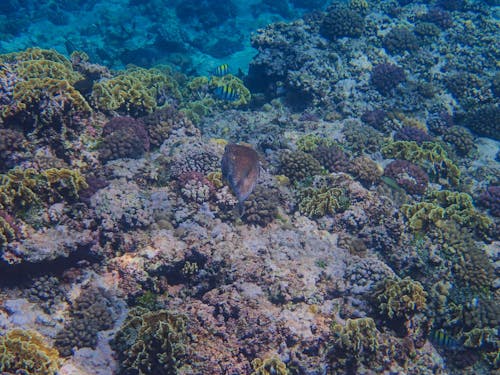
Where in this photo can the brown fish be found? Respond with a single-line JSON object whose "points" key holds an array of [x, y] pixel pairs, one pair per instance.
{"points": [[240, 168]]}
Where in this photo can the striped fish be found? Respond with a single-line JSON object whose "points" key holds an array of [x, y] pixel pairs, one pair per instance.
{"points": [[442, 339], [221, 70], [227, 93]]}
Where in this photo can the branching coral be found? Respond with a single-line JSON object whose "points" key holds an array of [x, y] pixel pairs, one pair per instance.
{"points": [[27, 351], [410, 177], [151, 342], [340, 22]]}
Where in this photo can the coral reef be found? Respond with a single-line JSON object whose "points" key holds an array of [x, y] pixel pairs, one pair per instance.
{"points": [[356, 341], [400, 299], [261, 207], [483, 120], [332, 158], [135, 92], [399, 40], [269, 366], [411, 133], [151, 342], [27, 351], [490, 198]]}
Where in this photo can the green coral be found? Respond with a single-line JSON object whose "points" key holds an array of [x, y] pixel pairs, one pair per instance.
{"points": [[310, 142], [26, 350], [135, 91], [356, 341], [446, 205], [151, 342], [400, 299], [269, 366], [318, 202], [429, 155]]}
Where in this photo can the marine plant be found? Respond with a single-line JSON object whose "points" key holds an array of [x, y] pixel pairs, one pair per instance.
{"points": [[27, 350], [151, 342], [429, 155]]}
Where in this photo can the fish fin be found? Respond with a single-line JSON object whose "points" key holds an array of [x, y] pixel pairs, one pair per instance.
{"points": [[241, 209]]}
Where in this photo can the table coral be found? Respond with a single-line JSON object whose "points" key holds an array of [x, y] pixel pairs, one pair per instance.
{"points": [[151, 342], [27, 350]]}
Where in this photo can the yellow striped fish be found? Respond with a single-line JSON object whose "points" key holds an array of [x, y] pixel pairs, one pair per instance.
{"points": [[227, 93], [221, 70]]}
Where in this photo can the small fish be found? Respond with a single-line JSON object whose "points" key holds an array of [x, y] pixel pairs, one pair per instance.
{"points": [[442, 339], [221, 70], [240, 168], [227, 93]]}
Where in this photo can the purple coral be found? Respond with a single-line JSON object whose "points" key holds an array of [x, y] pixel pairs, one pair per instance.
{"points": [[375, 118], [490, 198], [410, 177], [385, 77], [124, 137], [411, 133], [439, 122], [439, 17]]}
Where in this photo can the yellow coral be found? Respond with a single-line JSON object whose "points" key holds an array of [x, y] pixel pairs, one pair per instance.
{"points": [[216, 179], [269, 366], [7, 233], [401, 298], [60, 92], [47, 69], [357, 338], [26, 350], [17, 188], [135, 91], [69, 178], [34, 54]]}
